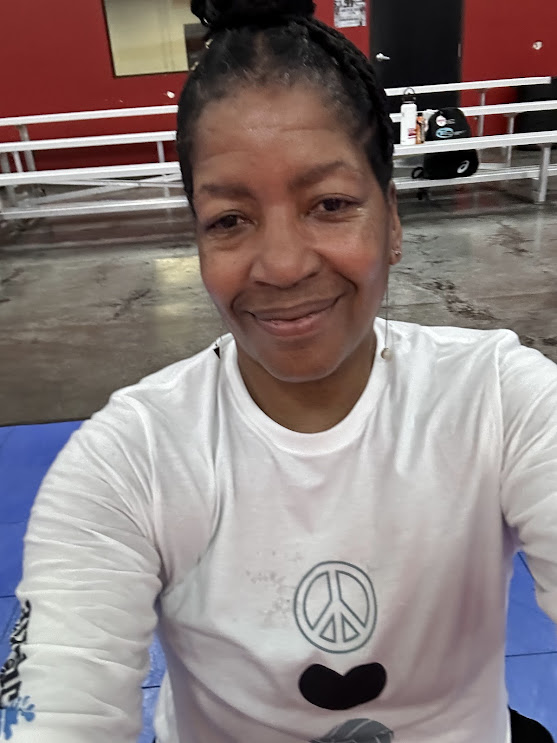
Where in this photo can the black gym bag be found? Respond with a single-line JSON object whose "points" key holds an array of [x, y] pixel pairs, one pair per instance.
{"points": [[447, 123]]}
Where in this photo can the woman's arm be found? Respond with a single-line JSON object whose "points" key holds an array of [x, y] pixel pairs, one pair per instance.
{"points": [[529, 474], [90, 582]]}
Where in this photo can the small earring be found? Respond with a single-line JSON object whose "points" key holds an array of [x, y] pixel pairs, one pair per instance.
{"points": [[386, 353], [398, 252], [216, 347]]}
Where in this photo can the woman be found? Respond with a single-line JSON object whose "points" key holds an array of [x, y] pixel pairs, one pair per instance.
{"points": [[319, 519]]}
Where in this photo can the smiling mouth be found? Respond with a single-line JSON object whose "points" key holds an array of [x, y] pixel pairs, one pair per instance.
{"points": [[295, 321], [291, 314]]}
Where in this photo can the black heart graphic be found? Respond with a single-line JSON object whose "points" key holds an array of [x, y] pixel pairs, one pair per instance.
{"points": [[327, 689]]}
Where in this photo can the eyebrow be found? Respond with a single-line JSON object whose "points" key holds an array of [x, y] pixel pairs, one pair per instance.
{"points": [[319, 172], [226, 190], [304, 180]]}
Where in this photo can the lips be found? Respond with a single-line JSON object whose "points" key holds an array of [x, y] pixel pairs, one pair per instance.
{"points": [[286, 314], [300, 320]]}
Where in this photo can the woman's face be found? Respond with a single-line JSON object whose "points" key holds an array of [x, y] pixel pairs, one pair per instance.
{"points": [[295, 236]]}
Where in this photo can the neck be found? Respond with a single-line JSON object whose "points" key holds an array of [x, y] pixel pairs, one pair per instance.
{"points": [[310, 407]]}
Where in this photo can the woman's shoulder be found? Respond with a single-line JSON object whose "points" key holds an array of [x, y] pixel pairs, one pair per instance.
{"points": [[168, 401], [181, 383], [471, 354], [446, 342], [448, 336]]}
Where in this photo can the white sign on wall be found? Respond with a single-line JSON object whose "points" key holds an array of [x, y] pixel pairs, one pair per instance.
{"points": [[350, 13]]}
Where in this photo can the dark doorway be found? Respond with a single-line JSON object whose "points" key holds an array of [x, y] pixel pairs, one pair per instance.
{"points": [[423, 41]]}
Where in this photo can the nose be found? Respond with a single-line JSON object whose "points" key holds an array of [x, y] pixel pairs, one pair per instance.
{"points": [[284, 254]]}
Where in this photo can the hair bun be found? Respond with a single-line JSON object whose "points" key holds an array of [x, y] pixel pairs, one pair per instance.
{"points": [[219, 14]]}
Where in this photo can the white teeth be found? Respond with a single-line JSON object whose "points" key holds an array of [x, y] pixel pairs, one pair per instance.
{"points": [[294, 319]]}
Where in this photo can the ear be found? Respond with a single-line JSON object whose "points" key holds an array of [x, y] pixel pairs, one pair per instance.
{"points": [[395, 227]]}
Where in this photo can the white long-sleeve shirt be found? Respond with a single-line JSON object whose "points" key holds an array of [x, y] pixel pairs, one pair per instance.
{"points": [[349, 585]]}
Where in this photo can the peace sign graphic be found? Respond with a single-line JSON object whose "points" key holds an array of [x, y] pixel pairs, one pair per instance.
{"points": [[335, 607]]}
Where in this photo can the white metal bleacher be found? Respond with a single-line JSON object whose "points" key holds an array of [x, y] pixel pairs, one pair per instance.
{"points": [[99, 181], [167, 175], [483, 87]]}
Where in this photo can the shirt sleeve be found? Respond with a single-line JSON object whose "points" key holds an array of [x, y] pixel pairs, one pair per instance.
{"points": [[529, 470], [91, 577]]}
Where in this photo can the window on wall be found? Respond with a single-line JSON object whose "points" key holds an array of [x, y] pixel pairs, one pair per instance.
{"points": [[152, 36]]}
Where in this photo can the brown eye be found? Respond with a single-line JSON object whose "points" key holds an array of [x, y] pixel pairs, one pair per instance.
{"points": [[333, 204], [228, 222]]}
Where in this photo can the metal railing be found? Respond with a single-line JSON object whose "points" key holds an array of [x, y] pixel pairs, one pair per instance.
{"points": [[167, 175], [96, 182]]}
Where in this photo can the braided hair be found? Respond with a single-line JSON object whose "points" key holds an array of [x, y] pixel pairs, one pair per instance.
{"points": [[255, 43]]}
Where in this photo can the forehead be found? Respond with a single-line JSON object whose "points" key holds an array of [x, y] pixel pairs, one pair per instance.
{"points": [[293, 123]]}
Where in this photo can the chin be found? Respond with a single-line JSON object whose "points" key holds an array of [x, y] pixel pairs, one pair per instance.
{"points": [[298, 372]]}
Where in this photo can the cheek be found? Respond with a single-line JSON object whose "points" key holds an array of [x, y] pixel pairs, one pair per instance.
{"points": [[363, 254], [222, 275]]}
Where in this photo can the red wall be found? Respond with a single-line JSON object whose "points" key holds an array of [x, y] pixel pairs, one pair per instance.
{"points": [[498, 43], [58, 55], [58, 58]]}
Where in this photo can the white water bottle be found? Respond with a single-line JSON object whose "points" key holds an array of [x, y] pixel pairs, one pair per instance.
{"points": [[409, 115]]}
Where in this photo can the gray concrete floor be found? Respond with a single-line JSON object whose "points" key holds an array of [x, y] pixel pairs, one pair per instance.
{"points": [[90, 305]]}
